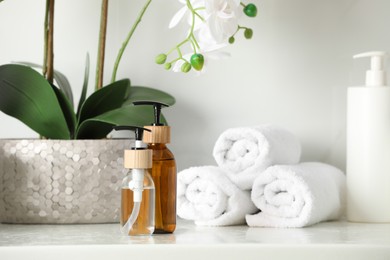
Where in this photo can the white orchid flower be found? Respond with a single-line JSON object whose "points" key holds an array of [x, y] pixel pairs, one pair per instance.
{"points": [[186, 12], [208, 47], [206, 40], [212, 23], [222, 18]]}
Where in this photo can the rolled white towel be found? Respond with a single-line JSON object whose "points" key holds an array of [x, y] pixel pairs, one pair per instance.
{"points": [[245, 152], [207, 196], [297, 195]]}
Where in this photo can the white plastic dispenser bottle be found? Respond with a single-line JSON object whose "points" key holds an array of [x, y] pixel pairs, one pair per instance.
{"points": [[368, 145], [137, 191]]}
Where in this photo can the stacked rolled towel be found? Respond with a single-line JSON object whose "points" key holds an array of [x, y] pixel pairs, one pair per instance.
{"points": [[262, 163], [297, 195], [207, 196], [245, 152]]}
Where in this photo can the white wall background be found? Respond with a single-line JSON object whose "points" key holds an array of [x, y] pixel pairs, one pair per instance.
{"points": [[294, 72]]}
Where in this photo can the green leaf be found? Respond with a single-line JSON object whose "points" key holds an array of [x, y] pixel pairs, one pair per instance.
{"points": [[27, 96], [67, 111], [91, 129], [64, 85], [100, 126], [60, 78], [105, 99], [85, 85], [138, 93]]}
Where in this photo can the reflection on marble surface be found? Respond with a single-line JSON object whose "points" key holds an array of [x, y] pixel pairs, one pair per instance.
{"points": [[324, 233], [187, 233]]}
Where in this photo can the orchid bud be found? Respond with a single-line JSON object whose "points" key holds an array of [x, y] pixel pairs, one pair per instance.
{"points": [[248, 33], [250, 10], [168, 66], [197, 61], [161, 58], [186, 67], [231, 40]]}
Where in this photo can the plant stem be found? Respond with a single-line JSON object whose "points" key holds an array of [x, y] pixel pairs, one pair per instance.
{"points": [[49, 51], [125, 43], [194, 11], [191, 37], [102, 45], [45, 35]]}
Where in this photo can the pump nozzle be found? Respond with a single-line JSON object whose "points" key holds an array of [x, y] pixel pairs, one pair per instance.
{"points": [[376, 76], [139, 132], [157, 110]]}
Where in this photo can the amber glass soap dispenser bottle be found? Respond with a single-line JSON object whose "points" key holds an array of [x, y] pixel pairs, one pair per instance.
{"points": [[137, 190], [163, 171]]}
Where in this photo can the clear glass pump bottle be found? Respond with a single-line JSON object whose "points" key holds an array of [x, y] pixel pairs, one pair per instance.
{"points": [[137, 190], [164, 171], [144, 224]]}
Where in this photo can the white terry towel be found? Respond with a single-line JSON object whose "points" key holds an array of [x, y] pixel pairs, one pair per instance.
{"points": [[207, 196], [247, 151], [297, 195]]}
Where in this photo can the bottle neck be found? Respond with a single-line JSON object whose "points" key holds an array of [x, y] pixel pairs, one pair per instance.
{"points": [[157, 146]]}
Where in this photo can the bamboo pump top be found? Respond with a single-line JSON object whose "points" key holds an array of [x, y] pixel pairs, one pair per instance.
{"points": [[137, 157]]}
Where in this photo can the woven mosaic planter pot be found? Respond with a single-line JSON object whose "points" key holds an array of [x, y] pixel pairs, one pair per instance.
{"points": [[61, 181]]}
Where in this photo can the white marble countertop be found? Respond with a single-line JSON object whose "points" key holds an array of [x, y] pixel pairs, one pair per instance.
{"points": [[331, 240]]}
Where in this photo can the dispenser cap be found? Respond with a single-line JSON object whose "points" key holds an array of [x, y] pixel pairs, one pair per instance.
{"points": [[139, 131], [376, 76], [157, 110], [159, 133], [138, 157]]}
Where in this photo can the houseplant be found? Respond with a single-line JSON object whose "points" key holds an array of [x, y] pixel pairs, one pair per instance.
{"points": [[61, 180]]}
